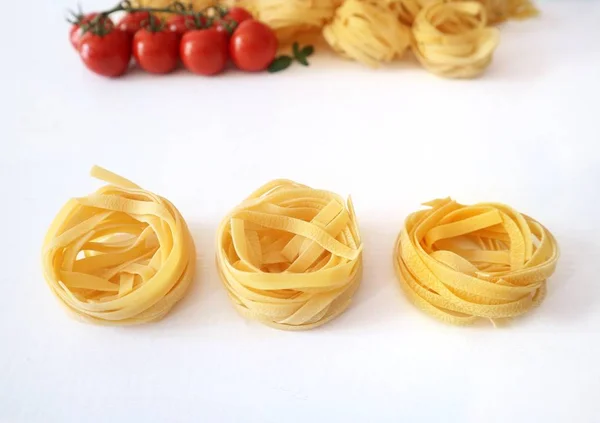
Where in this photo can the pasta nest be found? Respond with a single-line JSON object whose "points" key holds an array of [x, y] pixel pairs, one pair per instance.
{"points": [[453, 40], [463, 263], [407, 10], [290, 256], [121, 255], [290, 17], [500, 10], [366, 31]]}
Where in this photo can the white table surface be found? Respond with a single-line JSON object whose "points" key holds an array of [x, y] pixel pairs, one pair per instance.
{"points": [[525, 134]]}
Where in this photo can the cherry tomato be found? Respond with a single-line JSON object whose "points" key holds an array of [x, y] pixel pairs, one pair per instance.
{"points": [[182, 24], [253, 46], [156, 51], [133, 22], [225, 27], [179, 24], [238, 14], [76, 31], [204, 51], [234, 17], [107, 55]]}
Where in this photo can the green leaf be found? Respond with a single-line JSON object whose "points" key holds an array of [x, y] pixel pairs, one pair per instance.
{"points": [[301, 58], [307, 51], [301, 55], [280, 63]]}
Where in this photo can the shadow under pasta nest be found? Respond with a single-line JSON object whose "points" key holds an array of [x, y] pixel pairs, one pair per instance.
{"points": [[567, 299]]}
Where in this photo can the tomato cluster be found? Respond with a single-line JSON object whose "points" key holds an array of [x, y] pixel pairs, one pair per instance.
{"points": [[203, 45]]}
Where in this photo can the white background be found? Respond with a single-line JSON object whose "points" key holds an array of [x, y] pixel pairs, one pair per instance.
{"points": [[525, 134]]}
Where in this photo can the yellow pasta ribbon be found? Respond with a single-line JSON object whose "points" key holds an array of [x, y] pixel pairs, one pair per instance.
{"points": [[453, 39], [288, 18], [497, 10], [119, 256], [463, 263], [290, 256], [368, 32], [407, 10], [501, 10]]}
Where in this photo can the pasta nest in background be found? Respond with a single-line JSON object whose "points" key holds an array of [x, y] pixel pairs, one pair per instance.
{"points": [[290, 17], [453, 39], [121, 255], [197, 5], [464, 263], [407, 10], [368, 32], [290, 256], [500, 10]]}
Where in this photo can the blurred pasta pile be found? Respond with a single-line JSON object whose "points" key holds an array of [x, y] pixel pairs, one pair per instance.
{"points": [[451, 38]]}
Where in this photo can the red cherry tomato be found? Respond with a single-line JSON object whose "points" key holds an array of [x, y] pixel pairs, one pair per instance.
{"points": [[238, 14], [133, 22], [76, 31], [253, 46], [107, 55], [179, 24], [234, 17], [204, 51], [156, 51]]}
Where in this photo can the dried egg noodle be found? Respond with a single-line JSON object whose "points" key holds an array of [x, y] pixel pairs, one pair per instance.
{"points": [[121, 255], [500, 10], [289, 17], [367, 32], [462, 263], [407, 10], [449, 37], [452, 39], [290, 256]]}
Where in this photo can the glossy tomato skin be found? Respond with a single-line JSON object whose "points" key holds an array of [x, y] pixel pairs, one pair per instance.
{"points": [[238, 14], [234, 17], [253, 46], [156, 52], [204, 51], [133, 22], [179, 24], [108, 55], [76, 32]]}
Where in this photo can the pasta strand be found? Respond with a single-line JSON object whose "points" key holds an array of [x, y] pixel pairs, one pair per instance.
{"points": [[462, 263], [290, 256], [119, 256]]}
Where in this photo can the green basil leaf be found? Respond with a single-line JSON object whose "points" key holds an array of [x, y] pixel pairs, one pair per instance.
{"points": [[280, 63], [298, 55], [307, 51]]}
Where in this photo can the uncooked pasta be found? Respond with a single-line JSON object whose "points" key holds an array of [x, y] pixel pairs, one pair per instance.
{"points": [[453, 39], [121, 255], [407, 10], [290, 17], [290, 256], [462, 263], [368, 32]]}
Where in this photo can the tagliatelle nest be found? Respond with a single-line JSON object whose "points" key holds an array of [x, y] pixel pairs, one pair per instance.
{"points": [[290, 256], [366, 31], [464, 263], [407, 10], [500, 10], [289, 18], [453, 39], [119, 256]]}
